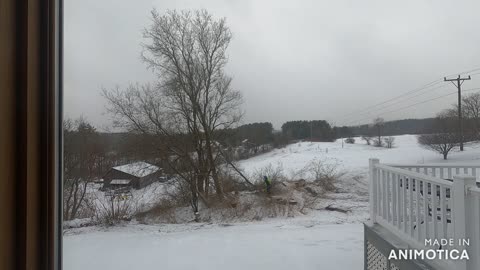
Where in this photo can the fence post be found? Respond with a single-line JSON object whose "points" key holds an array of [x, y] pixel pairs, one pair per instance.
{"points": [[462, 219], [372, 188]]}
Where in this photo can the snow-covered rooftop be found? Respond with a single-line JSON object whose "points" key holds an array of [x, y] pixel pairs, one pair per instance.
{"points": [[120, 182], [138, 169]]}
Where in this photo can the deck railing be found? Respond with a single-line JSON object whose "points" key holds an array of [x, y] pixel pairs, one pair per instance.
{"points": [[444, 171], [428, 202]]}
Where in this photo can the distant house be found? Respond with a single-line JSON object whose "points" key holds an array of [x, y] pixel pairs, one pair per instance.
{"points": [[136, 175]]}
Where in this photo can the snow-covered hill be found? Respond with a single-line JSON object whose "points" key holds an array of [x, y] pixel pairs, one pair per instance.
{"points": [[353, 158]]}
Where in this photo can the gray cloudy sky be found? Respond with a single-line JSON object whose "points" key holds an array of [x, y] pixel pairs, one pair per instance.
{"points": [[292, 60]]}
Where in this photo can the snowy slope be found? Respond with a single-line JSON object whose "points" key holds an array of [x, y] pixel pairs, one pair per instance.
{"points": [[354, 157]]}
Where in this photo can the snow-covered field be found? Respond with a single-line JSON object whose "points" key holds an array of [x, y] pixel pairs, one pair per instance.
{"points": [[354, 157], [319, 240]]}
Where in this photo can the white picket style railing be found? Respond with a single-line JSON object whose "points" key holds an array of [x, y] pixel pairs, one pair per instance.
{"points": [[428, 201]]}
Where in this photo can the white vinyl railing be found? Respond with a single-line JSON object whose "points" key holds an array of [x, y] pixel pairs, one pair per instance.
{"points": [[473, 218], [444, 171], [418, 203]]}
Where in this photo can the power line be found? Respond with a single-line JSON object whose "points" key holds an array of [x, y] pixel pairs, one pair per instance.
{"points": [[398, 102], [412, 105], [469, 71], [391, 99], [474, 74], [402, 108], [424, 87], [422, 102]]}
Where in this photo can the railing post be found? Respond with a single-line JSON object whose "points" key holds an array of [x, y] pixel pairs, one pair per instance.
{"points": [[471, 222], [372, 184], [472, 230], [462, 220]]}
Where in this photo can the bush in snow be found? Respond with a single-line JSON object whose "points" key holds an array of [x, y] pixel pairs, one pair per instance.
{"points": [[325, 173], [77, 223], [377, 142], [163, 211], [378, 124], [367, 139], [350, 140], [231, 183], [114, 207], [389, 142], [274, 173]]}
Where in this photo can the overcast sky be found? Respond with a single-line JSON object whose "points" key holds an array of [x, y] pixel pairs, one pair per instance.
{"points": [[292, 60]]}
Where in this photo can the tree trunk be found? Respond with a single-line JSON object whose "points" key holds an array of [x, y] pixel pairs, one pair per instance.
{"points": [[200, 181], [207, 181], [216, 181], [200, 184], [445, 156]]}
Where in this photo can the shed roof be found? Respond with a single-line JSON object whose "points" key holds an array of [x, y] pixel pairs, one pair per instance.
{"points": [[138, 169], [120, 182]]}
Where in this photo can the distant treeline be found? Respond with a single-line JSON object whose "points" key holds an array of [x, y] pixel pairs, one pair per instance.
{"points": [[137, 146], [316, 130], [254, 133], [397, 127], [263, 133]]}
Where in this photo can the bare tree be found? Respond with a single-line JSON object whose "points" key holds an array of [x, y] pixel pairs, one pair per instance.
{"points": [[367, 139], [82, 154], [471, 106], [442, 143], [470, 113], [389, 141], [189, 51], [445, 139], [378, 124], [191, 99]]}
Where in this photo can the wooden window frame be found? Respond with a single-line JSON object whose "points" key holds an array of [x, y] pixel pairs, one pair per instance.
{"points": [[31, 37]]}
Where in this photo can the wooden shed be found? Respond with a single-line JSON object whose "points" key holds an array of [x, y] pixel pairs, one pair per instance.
{"points": [[136, 175]]}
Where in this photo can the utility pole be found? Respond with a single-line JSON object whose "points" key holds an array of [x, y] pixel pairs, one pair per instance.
{"points": [[458, 83]]}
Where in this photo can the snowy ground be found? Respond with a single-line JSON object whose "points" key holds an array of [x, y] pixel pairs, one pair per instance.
{"points": [[319, 240], [242, 246]]}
